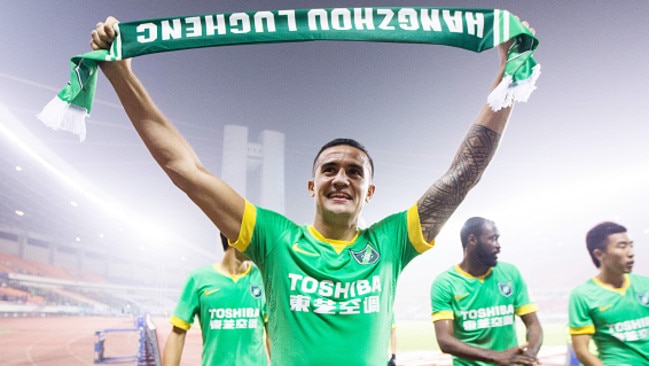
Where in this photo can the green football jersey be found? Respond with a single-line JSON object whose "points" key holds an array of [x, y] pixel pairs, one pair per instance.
{"points": [[482, 308], [231, 311], [329, 302], [617, 319]]}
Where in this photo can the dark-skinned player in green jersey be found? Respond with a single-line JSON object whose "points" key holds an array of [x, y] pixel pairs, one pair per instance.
{"points": [[474, 304]]}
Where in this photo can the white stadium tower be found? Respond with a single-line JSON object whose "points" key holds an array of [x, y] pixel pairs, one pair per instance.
{"points": [[262, 161]]}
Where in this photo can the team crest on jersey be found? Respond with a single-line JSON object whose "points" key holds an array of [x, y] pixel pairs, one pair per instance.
{"points": [[255, 291], [368, 255], [643, 298], [506, 288]]}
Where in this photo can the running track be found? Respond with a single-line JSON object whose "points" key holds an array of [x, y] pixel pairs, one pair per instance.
{"points": [[69, 341]]}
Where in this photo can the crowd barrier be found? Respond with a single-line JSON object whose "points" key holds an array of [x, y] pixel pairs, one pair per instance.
{"points": [[147, 353]]}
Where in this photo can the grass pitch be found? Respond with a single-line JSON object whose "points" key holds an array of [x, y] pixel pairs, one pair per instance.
{"points": [[420, 335]]}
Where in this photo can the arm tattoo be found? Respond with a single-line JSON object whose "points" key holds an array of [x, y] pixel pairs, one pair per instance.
{"points": [[446, 194]]}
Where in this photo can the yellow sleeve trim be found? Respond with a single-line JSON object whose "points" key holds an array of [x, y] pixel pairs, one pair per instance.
{"points": [[177, 322], [526, 309], [589, 329], [247, 227], [414, 231], [443, 315]]}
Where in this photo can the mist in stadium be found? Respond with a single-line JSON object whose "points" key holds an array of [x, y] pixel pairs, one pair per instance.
{"points": [[96, 242]]}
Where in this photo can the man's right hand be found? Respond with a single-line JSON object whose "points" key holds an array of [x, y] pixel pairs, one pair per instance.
{"points": [[101, 38], [103, 35], [516, 356]]}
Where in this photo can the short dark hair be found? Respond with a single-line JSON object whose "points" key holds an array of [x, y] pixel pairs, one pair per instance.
{"points": [[348, 142], [224, 242], [473, 226], [597, 238]]}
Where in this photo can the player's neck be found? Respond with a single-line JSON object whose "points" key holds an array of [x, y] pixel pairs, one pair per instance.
{"points": [[473, 267], [614, 279], [335, 230], [231, 264]]}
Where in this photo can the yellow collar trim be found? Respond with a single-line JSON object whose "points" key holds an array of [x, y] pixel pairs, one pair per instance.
{"points": [[236, 277], [338, 245], [621, 290], [469, 275]]}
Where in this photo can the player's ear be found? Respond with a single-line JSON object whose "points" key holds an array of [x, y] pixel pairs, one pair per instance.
{"points": [[370, 192], [471, 239], [311, 187], [598, 253]]}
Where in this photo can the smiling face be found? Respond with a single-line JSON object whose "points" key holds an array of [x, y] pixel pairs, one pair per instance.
{"points": [[617, 257], [341, 184]]}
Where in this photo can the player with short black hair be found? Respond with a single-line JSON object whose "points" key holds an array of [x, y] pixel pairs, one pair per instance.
{"points": [[330, 285], [611, 308], [474, 304]]}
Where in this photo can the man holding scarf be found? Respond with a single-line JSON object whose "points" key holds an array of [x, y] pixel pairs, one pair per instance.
{"points": [[330, 286]]}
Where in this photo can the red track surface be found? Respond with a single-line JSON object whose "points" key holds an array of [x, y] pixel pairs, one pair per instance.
{"points": [[69, 341], [62, 341]]}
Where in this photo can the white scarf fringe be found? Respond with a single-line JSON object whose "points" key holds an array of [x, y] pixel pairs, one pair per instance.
{"points": [[507, 92], [60, 115]]}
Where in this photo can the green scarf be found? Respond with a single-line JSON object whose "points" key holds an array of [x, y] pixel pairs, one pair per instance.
{"points": [[472, 29]]}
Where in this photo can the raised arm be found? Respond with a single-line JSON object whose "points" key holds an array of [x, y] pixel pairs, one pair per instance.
{"points": [[475, 152], [171, 151]]}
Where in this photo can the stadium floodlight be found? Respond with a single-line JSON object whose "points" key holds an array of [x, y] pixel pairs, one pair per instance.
{"points": [[143, 226]]}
